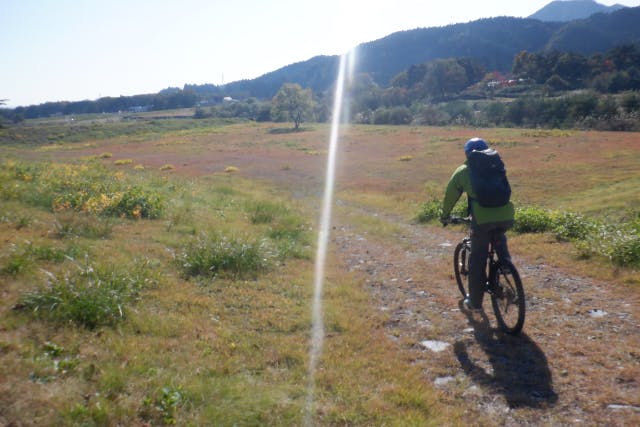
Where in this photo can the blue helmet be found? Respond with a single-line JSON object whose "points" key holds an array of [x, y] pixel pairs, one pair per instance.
{"points": [[475, 144]]}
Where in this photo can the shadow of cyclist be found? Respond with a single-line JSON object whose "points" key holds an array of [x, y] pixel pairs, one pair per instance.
{"points": [[519, 368]]}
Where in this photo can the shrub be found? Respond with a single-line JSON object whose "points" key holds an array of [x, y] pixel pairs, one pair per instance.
{"points": [[432, 210], [139, 203], [570, 226], [625, 249], [215, 255], [532, 220]]}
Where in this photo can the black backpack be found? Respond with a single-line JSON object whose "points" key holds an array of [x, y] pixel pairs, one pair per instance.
{"points": [[489, 178]]}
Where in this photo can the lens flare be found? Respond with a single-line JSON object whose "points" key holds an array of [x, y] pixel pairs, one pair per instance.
{"points": [[317, 329]]}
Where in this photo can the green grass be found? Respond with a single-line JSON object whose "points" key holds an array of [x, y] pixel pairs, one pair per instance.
{"points": [[214, 254], [22, 258], [264, 212], [41, 132], [89, 295], [88, 188]]}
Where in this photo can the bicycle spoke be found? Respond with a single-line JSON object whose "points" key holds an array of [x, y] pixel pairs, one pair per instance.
{"points": [[507, 299]]}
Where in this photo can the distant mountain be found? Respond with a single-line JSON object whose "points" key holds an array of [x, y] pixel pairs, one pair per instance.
{"points": [[494, 42], [598, 33], [569, 10]]}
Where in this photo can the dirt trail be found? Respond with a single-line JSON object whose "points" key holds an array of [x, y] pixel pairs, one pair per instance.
{"points": [[577, 362]]}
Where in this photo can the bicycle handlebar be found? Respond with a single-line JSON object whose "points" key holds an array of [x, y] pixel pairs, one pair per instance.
{"points": [[456, 220]]}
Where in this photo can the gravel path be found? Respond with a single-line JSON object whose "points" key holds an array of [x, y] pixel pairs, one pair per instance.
{"points": [[577, 361]]}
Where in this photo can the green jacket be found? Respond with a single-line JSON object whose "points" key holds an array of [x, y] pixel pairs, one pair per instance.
{"points": [[461, 182]]}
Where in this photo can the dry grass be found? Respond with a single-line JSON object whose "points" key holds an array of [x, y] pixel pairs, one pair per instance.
{"points": [[225, 351], [205, 350]]}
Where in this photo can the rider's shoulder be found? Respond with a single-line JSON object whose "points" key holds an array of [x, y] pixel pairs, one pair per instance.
{"points": [[461, 169]]}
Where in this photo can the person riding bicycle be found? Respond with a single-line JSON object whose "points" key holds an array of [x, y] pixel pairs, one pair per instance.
{"points": [[485, 222]]}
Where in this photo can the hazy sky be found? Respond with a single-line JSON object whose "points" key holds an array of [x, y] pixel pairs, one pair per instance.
{"points": [[54, 50]]}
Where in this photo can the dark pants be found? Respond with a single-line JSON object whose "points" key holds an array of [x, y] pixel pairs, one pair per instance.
{"points": [[480, 239]]}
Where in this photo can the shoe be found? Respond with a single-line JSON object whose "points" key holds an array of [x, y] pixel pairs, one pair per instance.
{"points": [[471, 308]]}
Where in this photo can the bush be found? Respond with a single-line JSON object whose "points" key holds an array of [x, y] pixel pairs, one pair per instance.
{"points": [[432, 210], [532, 220], [570, 226], [138, 203], [624, 247]]}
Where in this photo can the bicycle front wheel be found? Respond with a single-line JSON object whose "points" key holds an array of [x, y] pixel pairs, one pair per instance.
{"points": [[507, 298], [461, 266]]}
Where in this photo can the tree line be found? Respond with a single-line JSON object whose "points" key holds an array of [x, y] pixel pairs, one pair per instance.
{"points": [[165, 100], [545, 89]]}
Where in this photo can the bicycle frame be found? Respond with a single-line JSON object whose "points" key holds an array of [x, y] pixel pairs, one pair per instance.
{"points": [[502, 281]]}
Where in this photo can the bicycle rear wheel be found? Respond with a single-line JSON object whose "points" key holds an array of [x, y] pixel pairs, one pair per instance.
{"points": [[461, 266], [507, 297]]}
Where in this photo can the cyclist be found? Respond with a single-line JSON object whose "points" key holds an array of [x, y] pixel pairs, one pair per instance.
{"points": [[484, 222]]}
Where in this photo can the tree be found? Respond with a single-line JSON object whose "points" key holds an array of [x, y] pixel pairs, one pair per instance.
{"points": [[2, 102], [292, 103], [572, 69]]}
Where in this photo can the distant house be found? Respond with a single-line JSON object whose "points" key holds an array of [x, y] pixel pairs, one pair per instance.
{"points": [[140, 108], [499, 80]]}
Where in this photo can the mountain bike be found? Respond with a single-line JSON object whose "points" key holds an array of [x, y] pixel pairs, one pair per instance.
{"points": [[503, 282]]}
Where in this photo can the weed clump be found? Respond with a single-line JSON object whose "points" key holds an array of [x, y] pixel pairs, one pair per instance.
{"points": [[219, 255], [163, 407], [264, 212], [90, 297]]}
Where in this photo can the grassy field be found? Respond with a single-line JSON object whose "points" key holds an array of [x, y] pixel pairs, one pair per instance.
{"points": [[160, 271]]}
